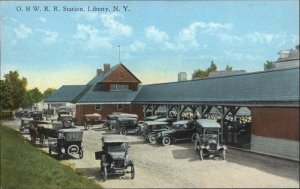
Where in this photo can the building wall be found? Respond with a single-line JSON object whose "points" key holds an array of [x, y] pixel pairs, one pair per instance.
{"points": [[276, 131], [282, 123], [107, 109]]}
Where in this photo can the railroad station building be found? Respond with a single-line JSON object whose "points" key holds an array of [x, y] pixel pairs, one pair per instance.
{"points": [[272, 96]]}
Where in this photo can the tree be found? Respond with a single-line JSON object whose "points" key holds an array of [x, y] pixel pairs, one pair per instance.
{"points": [[32, 97], [5, 101], [269, 65], [228, 68], [204, 73], [48, 92], [14, 89]]}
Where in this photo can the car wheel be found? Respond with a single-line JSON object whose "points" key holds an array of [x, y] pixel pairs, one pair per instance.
{"points": [[166, 141], [194, 137], [132, 172], [123, 131], [104, 176], [151, 138], [112, 127], [81, 154], [201, 154], [223, 155], [67, 124]]}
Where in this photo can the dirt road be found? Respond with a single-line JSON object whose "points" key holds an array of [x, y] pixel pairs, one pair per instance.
{"points": [[178, 166]]}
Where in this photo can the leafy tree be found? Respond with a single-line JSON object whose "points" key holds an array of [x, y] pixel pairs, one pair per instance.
{"points": [[32, 97], [14, 89], [204, 73], [269, 65], [48, 92], [228, 68], [5, 101]]}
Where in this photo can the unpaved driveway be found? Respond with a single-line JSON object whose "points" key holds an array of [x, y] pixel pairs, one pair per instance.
{"points": [[178, 166]]}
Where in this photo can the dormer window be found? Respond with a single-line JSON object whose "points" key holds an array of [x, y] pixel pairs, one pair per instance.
{"points": [[119, 87]]}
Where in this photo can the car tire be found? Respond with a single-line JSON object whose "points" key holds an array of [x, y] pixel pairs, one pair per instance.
{"points": [[151, 138], [80, 153], [201, 154], [104, 174], [67, 124], [111, 127], [123, 131], [166, 141], [194, 137], [132, 172], [223, 155]]}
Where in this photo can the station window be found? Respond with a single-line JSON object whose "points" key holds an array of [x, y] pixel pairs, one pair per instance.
{"points": [[98, 107], [119, 106], [119, 87]]}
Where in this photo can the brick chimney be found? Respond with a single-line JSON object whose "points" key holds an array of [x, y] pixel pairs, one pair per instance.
{"points": [[106, 68], [99, 71]]}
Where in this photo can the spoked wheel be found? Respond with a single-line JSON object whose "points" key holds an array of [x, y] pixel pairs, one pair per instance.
{"points": [[223, 155], [81, 153], [201, 154], [166, 141], [111, 127], [132, 172], [104, 174], [194, 137], [123, 132], [151, 138]]}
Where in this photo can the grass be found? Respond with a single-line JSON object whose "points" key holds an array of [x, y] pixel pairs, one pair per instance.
{"points": [[24, 166]]}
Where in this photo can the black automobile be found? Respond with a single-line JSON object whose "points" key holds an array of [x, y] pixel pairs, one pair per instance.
{"points": [[114, 157], [208, 139], [36, 115], [112, 119], [181, 130], [150, 128], [67, 121], [62, 112], [68, 143], [152, 118], [127, 125]]}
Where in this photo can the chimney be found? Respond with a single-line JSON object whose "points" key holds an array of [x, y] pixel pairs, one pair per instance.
{"points": [[99, 71], [106, 68]]}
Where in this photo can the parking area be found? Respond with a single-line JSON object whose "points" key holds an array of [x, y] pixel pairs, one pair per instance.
{"points": [[178, 166]]}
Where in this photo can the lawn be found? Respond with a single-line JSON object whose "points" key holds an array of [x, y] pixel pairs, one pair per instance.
{"points": [[24, 166]]}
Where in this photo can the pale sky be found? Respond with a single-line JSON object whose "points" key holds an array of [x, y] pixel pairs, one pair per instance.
{"points": [[158, 39]]}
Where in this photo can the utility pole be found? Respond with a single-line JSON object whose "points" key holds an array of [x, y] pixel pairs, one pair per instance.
{"points": [[119, 53]]}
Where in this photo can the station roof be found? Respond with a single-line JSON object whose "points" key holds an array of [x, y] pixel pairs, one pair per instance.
{"points": [[66, 93], [275, 87]]}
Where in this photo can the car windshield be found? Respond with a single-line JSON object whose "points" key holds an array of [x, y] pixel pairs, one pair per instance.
{"points": [[211, 134], [119, 147]]}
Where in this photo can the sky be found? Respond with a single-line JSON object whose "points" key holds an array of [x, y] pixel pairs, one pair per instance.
{"points": [[64, 42]]}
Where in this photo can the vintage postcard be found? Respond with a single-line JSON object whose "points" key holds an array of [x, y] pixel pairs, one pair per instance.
{"points": [[149, 94]]}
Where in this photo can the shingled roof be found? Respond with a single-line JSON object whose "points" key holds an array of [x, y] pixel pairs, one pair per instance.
{"points": [[91, 93], [276, 87]]}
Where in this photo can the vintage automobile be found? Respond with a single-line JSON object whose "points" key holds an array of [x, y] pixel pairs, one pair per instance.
{"points": [[67, 121], [181, 130], [114, 157], [152, 118], [112, 119], [91, 119], [127, 125], [150, 128], [62, 112], [25, 123], [67, 143], [169, 120], [208, 138], [36, 115]]}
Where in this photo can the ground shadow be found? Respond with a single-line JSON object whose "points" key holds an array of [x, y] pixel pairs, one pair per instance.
{"points": [[276, 166]]}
